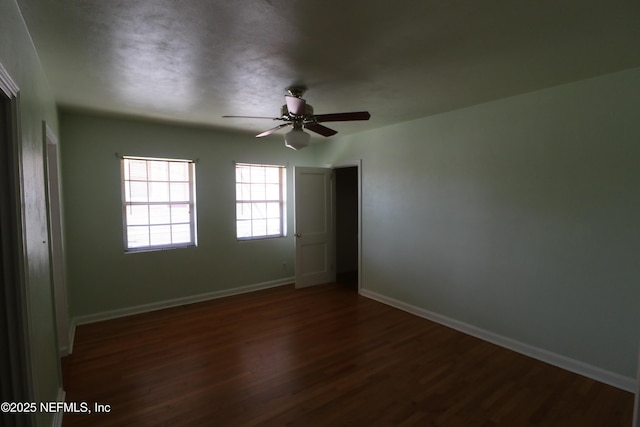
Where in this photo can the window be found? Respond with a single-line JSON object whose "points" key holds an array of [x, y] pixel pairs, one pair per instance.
{"points": [[158, 203], [260, 191]]}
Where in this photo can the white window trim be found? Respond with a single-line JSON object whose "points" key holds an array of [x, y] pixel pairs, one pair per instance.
{"points": [[282, 202], [191, 203]]}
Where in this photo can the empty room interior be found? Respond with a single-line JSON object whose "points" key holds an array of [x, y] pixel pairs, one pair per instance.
{"points": [[320, 213]]}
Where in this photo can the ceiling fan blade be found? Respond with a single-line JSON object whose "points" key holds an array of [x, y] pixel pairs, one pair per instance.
{"points": [[251, 117], [272, 130], [318, 128], [342, 117], [295, 105]]}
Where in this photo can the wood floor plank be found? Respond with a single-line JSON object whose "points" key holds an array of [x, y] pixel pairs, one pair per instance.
{"points": [[322, 356]]}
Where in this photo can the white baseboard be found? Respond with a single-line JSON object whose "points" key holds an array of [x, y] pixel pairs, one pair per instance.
{"points": [[57, 417], [138, 309], [72, 336], [65, 350], [590, 371]]}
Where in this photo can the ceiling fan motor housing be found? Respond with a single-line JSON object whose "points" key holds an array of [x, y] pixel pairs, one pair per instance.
{"points": [[308, 113]]}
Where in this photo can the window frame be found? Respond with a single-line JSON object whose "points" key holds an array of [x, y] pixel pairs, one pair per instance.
{"points": [[282, 207], [191, 203]]}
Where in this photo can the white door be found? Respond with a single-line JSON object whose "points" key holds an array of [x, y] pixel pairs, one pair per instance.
{"points": [[55, 242], [313, 226]]}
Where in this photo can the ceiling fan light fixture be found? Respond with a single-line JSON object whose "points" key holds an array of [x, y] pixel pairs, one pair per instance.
{"points": [[296, 139]]}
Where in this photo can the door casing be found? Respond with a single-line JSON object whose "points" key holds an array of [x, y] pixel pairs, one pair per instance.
{"points": [[16, 363], [56, 250]]}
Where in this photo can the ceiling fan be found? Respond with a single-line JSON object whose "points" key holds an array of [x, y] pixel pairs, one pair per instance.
{"points": [[297, 113]]}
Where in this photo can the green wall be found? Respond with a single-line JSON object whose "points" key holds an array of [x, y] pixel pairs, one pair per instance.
{"points": [[102, 278], [519, 217], [36, 105]]}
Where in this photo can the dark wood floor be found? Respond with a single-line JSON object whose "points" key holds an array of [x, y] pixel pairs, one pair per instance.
{"points": [[322, 356]]}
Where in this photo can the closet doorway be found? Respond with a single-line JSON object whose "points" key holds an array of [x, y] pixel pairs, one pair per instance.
{"points": [[347, 224]]}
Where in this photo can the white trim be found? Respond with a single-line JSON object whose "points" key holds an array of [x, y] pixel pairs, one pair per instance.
{"points": [[23, 317], [57, 417], [250, 201], [138, 309], [72, 336], [64, 351], [593, 372], [7, 85], [50, 137], [129, 202], [347, 164], [55, 234]]}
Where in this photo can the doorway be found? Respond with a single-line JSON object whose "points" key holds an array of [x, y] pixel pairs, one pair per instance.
{"points": [[327, 223], [15, 369], [347, 225]]}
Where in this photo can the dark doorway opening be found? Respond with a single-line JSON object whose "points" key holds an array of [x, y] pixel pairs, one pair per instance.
{"points": [[346, 223]]}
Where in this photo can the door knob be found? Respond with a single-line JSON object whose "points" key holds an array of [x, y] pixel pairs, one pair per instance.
{"points": [[298, 235]]}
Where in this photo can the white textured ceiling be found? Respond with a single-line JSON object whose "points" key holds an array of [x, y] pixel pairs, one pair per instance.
{"points": [[194, 61]]}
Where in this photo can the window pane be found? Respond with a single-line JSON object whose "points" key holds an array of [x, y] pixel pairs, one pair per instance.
{"points": [[257, 174], [243, 191], [160, 235], [137, 192], [259, 227], [258, 210], [181, 233], [158, 191], [243, 229], [135, 169], [137, 215], [137, 237], [273, 210], [179, 171], [159, 214], [273, 227], [243, 210], [272, 192], [180, 214], [158, 171], [243, 174], [272, 175], [179, 192], [258, 192]]}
